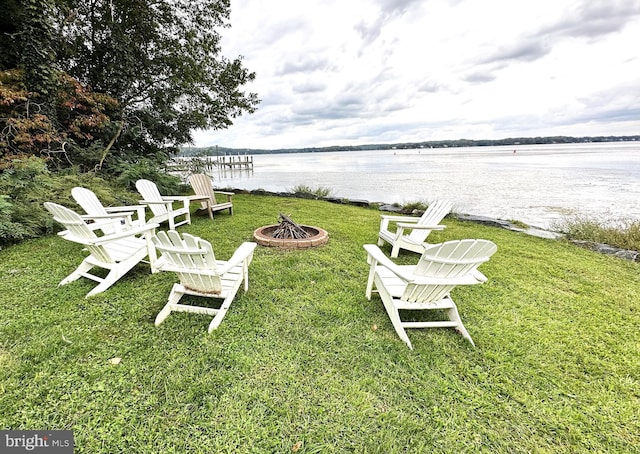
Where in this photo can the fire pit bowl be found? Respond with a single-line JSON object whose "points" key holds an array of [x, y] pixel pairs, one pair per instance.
{"points": [[317, 237]]}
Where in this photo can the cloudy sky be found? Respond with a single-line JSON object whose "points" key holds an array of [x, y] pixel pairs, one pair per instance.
{"points": [[347, 72]]}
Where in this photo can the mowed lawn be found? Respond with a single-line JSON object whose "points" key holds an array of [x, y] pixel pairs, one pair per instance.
{"points": [[304, 363]]}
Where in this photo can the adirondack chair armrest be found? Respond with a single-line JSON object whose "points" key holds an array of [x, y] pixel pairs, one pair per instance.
{"points": [[229, 195], [112, 216], [395, 218], [185, 197], [138, 208], [244, 252], [167, 203], [128, 233], [124, 208], [385, 219], [155, 202], [102, 220], [377, 257], [405, 225]]}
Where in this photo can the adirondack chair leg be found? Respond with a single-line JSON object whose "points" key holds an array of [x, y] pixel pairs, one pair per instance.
{"points": [[245, 275], [372, 272], [221, 313], [107, 282], [177, 291], [82, 270], [395, 250], [219, 316], [394, 315], [187, 215], [455, 317], [225, 306]]}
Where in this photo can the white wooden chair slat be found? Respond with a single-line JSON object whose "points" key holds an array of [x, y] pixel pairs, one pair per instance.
{"points": [[427, 285], [203, 186], [107, 216], [200, 274], [420, 228], [161, 207], [117, 252]]}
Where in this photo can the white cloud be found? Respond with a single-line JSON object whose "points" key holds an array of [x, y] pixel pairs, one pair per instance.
{"points": [[365, 71]]}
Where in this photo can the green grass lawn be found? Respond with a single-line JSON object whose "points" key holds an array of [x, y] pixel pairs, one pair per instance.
{"points": [[303, 362]]}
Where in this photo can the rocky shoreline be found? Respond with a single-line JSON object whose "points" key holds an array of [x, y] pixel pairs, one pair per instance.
{"points": [[624, 254]]}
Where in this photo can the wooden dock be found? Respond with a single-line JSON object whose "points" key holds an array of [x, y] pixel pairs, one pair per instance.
{"points": [[234, 162], [211, 162]]}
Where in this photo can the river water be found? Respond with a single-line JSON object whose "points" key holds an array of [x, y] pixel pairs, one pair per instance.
{"points": [[537, 184]]}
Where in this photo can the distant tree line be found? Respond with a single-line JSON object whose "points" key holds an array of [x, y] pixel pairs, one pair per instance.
{"points": [[215, 150]]}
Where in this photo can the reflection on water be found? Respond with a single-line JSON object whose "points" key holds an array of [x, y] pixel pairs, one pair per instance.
{"points": [[537, 184]]}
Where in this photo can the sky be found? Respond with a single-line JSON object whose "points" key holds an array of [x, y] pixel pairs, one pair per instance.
{"points": [[350, 72]]}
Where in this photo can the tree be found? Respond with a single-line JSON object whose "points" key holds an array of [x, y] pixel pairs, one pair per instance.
{"points": [[72, 133], [159, 59], [162, 61]]}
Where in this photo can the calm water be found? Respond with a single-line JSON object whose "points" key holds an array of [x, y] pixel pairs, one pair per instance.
{"points": [[539, 184]]}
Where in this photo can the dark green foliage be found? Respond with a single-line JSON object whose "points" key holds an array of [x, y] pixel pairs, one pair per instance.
{"points": [[10, 24], [37, 53], [149, 170], [162, 62], [28, 184], [10, 231]]}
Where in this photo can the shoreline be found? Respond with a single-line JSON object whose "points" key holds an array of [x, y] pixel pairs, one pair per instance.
{"points": [[539, 232]]}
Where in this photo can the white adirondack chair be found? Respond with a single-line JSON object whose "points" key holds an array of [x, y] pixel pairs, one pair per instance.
{"points": [[117, 252], [97, 212], [420, 228], [427, 285], [162, 206], [203, 186], [200, 274]]}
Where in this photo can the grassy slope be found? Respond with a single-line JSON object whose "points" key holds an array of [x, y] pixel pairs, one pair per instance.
{"points": [[299, 359]]}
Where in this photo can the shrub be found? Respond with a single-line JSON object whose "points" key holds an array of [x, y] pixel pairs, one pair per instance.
{"points": [[10, 231], [150, 170], [622, 233], [319, 192], [27, 184]]}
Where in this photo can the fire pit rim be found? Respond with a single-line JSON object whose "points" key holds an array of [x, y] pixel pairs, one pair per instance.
{"points": [[318, 238]]}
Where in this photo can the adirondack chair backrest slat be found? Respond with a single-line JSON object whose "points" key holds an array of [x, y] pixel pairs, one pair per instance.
{"points": [[88, 201], [447, 260], [202, 185], [91, 205], [433, 215], [150, 192], [191, 256], [79, 231]]}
